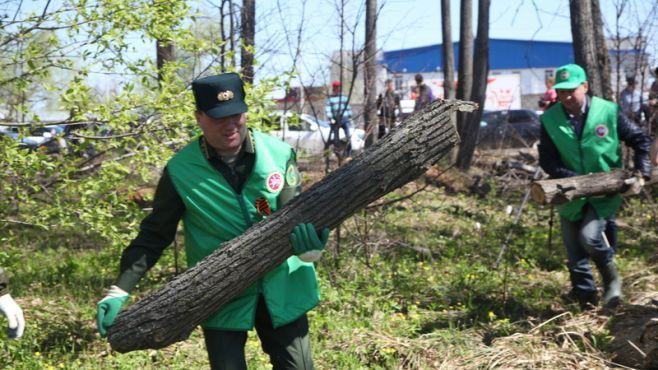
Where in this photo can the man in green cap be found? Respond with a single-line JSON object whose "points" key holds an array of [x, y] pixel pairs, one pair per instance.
{"points": [[219, 185], [581, 135]]}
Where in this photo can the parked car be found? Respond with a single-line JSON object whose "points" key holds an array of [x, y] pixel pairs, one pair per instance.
{"points": [[406, 109], [49, 139], [306, 133], [514, 128]]}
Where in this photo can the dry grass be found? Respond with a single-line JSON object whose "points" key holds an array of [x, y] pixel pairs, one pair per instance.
{"points": [[566, 341]]}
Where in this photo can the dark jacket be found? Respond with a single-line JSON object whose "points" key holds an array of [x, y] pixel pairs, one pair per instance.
{"points": [[387, 102], [424, 96], [632, 135]]}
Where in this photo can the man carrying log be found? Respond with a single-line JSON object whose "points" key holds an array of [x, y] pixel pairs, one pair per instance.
{"points": [[582, 135], [219, 185]]}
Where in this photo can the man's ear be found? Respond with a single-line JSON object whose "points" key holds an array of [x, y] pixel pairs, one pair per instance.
{"points": [[586, 86], [197, 115]]}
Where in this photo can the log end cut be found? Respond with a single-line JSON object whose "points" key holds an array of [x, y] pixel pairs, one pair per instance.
{"points": [[537, 193]]}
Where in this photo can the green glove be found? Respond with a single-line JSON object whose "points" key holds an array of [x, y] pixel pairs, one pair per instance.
{"points": [[108, 308], [306, 243]]}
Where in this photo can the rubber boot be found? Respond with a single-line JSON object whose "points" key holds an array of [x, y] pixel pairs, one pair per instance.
{"points": [[587, 301], [611, 286]]}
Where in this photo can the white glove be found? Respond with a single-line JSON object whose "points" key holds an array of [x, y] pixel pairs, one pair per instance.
{"points": [[14, 315], [311, 256], [114, 292], [635, 185]]}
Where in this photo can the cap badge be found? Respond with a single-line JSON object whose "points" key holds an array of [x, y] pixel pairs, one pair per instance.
{"points": [[225, 95], [564, 75]]}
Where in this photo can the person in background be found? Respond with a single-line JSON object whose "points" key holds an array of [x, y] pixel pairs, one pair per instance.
{"points": [[10, 309], [653, 91], [581, 135], [338, 111], [650, 108], [654, 156], [629, 100], [550, 96], [219, 185], [388, 104], [423, 93]]}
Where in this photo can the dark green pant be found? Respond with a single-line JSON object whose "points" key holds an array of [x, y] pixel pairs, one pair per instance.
{"points": [[288, 346]]}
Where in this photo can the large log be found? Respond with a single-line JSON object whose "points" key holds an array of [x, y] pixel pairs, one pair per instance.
{"points": [[563, 190], [170, 314]]}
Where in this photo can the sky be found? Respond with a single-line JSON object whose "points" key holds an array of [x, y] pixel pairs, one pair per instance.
{"points": [[411, 23], [402, 24], [418, 22]]}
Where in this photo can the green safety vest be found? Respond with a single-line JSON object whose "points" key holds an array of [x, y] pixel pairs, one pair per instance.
{"points": [[215, 213], [598, 150]]}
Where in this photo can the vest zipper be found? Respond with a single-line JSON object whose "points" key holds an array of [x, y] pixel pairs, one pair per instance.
{"points": [[580, 145], [243, 208], [249, 221], [241, 201], [580, 152]]}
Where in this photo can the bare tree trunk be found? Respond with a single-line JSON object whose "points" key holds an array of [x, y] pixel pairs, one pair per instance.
{"points": [[370, 75], [447, 52], [231, 31], [619, 10], [558, 191], [164, 53], [584, 45], [479, 91], [222, 35], [602, 57], [465, 73], [171, 313], [248, 32]]}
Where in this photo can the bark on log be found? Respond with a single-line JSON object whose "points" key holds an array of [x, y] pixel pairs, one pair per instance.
{"points": [[563, 190], [171, 313], [634, 328], [649, 339]]}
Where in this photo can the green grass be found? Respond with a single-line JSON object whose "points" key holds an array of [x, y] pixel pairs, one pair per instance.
{"points": [[412, 284]]}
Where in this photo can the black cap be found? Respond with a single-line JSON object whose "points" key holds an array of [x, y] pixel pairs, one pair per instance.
{"points": [[220, 95]]}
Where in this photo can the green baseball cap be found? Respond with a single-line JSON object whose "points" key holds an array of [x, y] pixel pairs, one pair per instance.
{"points": [[220, 96], [569, 76]]}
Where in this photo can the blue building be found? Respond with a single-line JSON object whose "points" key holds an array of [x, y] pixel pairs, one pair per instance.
{"points": [[503, 55], [531, 61]]}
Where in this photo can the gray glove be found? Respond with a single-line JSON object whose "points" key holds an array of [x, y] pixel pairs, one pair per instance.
{"points": [[634, 184]]}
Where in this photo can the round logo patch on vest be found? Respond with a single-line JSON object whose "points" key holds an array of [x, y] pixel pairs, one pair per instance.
{"points": [[292, 177], [601, 130], [274, 182]]}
